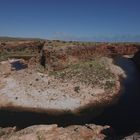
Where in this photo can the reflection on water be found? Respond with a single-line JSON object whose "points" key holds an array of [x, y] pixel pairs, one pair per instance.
{"points": [[18, 65]]}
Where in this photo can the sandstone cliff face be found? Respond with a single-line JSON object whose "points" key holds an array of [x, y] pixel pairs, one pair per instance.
{"points": [[59, 57], [56, 58]]}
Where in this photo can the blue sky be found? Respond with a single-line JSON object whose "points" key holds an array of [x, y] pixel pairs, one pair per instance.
{"points": [[90, 20]]}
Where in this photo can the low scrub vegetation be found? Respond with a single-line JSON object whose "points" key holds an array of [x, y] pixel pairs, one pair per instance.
{"points": [[93, 73]]}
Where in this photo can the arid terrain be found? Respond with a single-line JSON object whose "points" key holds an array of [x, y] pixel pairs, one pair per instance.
{"points": [[76, 80]]}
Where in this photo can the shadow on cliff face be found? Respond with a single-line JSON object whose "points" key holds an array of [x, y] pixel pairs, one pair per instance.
{"points": [[124, 117]]}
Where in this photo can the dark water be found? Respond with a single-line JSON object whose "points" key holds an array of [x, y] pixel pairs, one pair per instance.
{"points": [[25, 119], [124, 117], [17, 65]]}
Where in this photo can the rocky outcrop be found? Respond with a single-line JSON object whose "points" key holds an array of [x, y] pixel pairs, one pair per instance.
{"points": [[74, 83], [20, 49], [27, 89], [57, 58], [53, 132]]}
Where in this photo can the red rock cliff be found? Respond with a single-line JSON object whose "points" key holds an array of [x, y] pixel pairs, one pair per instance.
{"points": [[55, 58]]}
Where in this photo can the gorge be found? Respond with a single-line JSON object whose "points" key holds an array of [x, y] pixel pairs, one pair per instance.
{"points": [[123, 115]]}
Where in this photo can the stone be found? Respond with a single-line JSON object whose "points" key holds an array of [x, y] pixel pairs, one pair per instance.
{"points": [[36, 95], [53, 132]]}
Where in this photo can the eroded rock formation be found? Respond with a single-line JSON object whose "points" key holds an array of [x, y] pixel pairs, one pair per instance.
{"points": [[53, 132], [57, 58]]}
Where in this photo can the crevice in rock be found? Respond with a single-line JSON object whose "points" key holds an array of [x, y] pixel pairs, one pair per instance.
{"points": [[43, 59]]}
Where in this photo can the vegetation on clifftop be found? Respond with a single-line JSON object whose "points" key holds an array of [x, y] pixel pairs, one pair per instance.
{"points": [[94, 73]]}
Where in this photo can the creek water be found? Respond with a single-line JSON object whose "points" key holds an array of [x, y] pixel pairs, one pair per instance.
{"points": [[124, 116]]}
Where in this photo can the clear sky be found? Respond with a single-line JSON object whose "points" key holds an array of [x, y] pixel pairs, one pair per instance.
{"points": [[90, 20]]}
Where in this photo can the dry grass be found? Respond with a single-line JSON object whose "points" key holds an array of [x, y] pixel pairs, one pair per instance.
{"points": [[93, 73]]}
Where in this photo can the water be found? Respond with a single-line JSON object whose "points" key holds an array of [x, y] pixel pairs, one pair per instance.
{"points": [[17, 65], [124, 117]]}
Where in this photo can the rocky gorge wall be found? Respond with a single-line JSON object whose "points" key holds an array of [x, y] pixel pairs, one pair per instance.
{"points": [[57, 58]]}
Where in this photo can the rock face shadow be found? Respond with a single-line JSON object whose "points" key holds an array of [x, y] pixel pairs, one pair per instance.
{"points": [[18, 65]]}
